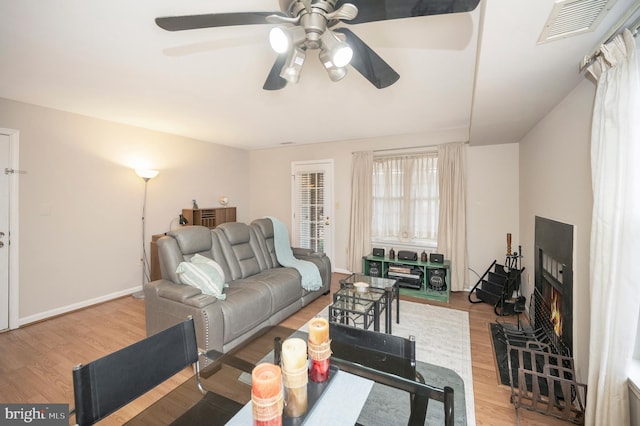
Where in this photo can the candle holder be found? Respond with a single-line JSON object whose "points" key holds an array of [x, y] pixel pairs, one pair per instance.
{"points": [[320, 356], [267, 411], [295, 391]]}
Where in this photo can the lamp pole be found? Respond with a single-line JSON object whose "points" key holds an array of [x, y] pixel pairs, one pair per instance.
{"points": [[146, 175]]}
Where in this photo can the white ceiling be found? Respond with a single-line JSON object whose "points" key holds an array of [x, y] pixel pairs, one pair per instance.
{"points": [[481, 71]]}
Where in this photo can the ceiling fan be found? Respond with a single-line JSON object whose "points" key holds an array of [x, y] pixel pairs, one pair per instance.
{"points": [[303, 25]]}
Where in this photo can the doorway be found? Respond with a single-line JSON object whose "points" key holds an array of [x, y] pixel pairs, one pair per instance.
{"points": [[8, 229], [312, 205]]}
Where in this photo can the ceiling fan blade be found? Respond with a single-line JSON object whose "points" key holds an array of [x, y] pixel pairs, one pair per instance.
{"points": [[382, 10], [368, 63], [274, 81], [192, 22]]}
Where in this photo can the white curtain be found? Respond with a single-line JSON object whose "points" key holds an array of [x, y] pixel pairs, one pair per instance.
{"points": [[452, 222], [615, 230], [405, 198], [360, 225]]}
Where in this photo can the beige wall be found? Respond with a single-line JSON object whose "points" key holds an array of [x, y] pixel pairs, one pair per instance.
{"points": [[492, 205], [493, 171], [81, 202], [555, 182]]}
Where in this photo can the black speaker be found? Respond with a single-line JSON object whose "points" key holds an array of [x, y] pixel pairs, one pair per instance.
{"points": [[378, 252], [407, 255], [436, 258], [437, 279], [375, 269]]}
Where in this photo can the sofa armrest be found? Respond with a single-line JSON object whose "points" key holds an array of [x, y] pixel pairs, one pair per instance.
{"points": [[184, 294], [167, 303]]}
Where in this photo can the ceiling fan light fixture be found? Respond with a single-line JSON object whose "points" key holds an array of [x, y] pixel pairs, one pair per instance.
{"points": [[342, 55], [335, 73], [293, 67], [282, 38], [339, 51], [278, 39]]}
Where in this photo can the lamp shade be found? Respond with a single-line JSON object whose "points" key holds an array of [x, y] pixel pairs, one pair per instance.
{"points": [[147, 173]]}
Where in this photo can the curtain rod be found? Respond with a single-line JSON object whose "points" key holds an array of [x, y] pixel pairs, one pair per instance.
{"points": [[611, 34], [412, 147]]}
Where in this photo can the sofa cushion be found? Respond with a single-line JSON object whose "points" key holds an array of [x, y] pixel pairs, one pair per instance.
{"points": [[192, 239], [237, 243], [283, 284], [248, 304], [264, 230], [203, 274]]}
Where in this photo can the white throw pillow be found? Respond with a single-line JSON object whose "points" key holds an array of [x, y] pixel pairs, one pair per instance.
{"points": [[198, 258], [205, 275]]}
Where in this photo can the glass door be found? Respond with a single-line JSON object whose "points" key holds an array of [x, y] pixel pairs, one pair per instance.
{"points": [[312, 193]]}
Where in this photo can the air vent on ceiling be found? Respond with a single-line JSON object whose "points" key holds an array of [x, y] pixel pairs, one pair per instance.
{"points": [[573, 17]]}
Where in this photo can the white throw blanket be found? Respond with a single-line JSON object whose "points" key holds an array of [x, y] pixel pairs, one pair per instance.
{"points": [[311, 279]]}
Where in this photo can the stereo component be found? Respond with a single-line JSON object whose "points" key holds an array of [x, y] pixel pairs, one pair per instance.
{"points": [[375, 269], [437, 279], [436, 258], [378, 252], [407, 255], [407, 275]]}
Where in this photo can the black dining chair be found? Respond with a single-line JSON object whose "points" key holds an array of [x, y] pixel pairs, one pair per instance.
{"points": [[389, 360], [103, 386]]}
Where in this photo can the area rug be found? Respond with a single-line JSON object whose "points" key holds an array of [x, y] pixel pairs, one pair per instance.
{"points": [[442, 340]]}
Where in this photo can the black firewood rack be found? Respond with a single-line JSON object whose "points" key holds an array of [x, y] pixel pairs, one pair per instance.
{"points": [[500, 286]]}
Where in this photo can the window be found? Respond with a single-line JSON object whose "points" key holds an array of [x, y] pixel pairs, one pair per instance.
{"points": [[405, 200]]}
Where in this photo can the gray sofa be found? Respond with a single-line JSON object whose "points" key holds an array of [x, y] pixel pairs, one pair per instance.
{"points": [[261, 292]]}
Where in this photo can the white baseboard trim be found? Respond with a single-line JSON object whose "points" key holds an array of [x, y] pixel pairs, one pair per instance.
{"points": [[74, 307], [342, 271]]}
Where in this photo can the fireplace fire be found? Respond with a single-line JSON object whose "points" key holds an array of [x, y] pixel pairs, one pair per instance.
{"points": [[556, 312]]}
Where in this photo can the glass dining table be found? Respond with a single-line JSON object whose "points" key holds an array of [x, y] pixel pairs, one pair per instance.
{"points": [[227, 381]]}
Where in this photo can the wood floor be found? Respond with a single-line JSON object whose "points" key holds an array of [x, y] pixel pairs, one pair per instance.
{"points": [[36, 360]]}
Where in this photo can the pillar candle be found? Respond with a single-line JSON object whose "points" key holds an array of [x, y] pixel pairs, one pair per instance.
{"points": [[319, 349], [294, 354], [318, 331], [266, 381], [294, 376]]}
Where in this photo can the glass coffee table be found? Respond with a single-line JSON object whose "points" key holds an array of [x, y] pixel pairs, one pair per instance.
{"points": [[381, 291], [357, 309]]}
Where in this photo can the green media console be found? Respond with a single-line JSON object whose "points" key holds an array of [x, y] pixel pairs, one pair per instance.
{"points": [[436, 288]]}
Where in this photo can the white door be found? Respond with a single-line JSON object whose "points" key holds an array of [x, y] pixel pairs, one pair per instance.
{"points": [[4, 231], [312, 205]]}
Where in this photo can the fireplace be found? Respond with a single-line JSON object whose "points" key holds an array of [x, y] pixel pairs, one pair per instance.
{"points": [[535, 359], [553, 292]]}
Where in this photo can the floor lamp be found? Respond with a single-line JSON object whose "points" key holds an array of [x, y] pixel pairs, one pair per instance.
{"points": [[146, 175]]}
